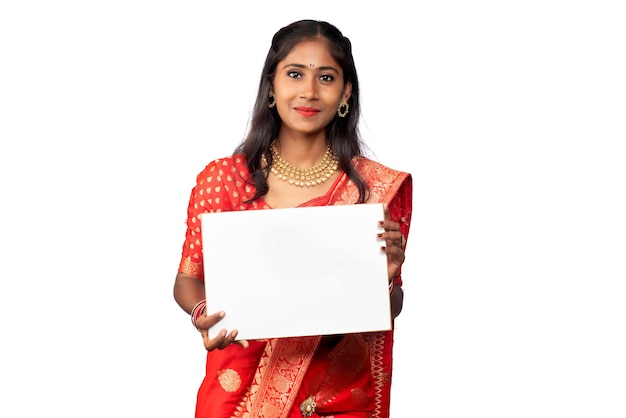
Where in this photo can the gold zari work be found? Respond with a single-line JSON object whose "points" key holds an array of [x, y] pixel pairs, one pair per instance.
{"points": [[229, 380]]}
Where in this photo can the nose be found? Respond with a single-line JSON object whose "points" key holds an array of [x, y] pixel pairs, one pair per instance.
{"points": [[309, 89]]}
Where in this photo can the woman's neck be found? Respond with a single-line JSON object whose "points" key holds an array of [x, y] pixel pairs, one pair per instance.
{"points": [[301, 152]]}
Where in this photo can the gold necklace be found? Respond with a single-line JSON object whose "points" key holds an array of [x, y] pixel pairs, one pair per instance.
{"points": [[310, 177]]}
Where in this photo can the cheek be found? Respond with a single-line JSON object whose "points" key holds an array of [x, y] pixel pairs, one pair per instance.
{"points": [[282, 103], [286, 90], [283, 106], [332, 97]]}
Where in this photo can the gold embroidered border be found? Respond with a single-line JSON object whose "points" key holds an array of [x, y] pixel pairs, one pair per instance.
{"points": [[286, 367], [191, 268]]}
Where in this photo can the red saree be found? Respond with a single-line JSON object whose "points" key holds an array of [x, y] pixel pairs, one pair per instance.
{"points": [[345, 376]]}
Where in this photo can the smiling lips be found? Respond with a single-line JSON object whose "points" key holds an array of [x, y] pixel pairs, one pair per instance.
{"points": [[307, 111]]}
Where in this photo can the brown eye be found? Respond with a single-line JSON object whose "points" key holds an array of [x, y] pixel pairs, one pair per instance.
{"points": [[326, 78], [294, 74]]}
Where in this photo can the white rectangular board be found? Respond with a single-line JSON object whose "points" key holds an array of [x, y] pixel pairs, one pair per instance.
{"points": [[296, 272]]}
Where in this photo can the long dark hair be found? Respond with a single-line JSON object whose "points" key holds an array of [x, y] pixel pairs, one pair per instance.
{"points": [[342, 133]]}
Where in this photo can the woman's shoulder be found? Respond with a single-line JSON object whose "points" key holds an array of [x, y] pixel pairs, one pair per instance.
{"points": [[225, 183], [385, 183], [366, 165], [225, 166]]}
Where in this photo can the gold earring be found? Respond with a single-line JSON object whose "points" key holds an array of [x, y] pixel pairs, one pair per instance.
{"points": [[272, 100], [343, 108]]}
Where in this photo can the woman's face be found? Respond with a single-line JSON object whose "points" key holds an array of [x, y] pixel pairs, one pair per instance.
{"points": [[308, 88]]}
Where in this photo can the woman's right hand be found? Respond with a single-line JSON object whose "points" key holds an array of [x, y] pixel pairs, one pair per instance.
{"points": [[223, 339], [188, 291]]}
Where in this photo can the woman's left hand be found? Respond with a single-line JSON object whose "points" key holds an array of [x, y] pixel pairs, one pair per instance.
{"points": [[394, 243]]}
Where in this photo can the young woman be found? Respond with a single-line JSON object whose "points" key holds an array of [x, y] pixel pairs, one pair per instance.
{"points": [[303, 149]]}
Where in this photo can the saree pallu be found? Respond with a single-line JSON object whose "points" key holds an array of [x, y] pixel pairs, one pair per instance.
{"points": [[345, 376]]}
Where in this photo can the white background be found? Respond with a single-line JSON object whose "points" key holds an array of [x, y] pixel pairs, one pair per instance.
{"points": [[510, 116]]}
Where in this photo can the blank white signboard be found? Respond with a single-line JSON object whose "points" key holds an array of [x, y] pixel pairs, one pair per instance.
{"points": [[296, 272]]}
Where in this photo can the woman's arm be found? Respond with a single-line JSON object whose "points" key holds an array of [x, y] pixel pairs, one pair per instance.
{"points": [[188, 291], [397, 299]]}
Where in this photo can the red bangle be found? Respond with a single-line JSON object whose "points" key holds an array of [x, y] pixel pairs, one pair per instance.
{"points": [[392, 284], [197, 311]]}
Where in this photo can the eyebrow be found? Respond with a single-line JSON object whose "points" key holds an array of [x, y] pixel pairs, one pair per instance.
{"points": [[322, 68]]}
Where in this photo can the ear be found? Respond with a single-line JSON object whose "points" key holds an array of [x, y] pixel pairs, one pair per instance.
{"points": [[347, 91]]}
